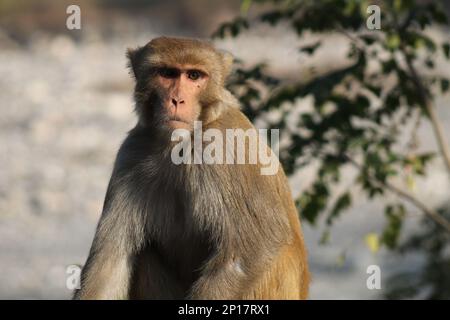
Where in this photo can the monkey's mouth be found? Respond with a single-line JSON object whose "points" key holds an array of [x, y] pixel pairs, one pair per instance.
{"points": [[177, 122], [176, 119]]}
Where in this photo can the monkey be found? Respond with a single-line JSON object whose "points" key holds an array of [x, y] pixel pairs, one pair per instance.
{"points": [[191, 231]]}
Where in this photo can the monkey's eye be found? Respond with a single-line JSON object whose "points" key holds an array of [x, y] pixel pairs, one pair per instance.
{"points": [[194, 74], [169, 72]]}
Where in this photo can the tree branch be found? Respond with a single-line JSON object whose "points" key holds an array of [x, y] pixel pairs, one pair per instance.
{"points": [[433, 214], [430, 109]]}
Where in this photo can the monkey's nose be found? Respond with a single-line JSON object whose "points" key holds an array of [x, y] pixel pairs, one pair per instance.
{"points": [[175, 101]]}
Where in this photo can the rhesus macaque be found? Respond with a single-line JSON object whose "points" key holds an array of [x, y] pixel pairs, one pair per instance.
{"points": [[191, 231]]}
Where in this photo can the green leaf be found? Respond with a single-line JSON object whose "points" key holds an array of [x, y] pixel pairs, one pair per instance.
{"points": [[437, 12], [373, 242], [446, 49], [313, 201], [232, 28], [389, 66], [368, 39], [311, 48], [429, 63], [393, 41], [325, 238], [391, 232], [342, 203], [445, 83], [245, 6]]}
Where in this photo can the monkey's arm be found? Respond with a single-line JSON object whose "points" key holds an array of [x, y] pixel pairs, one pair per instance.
{"points": [[250, 231], [119, 234]]}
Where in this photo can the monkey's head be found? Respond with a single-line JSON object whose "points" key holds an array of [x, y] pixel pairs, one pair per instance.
{"points": [[179, 81]]}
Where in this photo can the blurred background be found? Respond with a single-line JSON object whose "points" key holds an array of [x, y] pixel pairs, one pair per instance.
{"points": [[66, 105]]}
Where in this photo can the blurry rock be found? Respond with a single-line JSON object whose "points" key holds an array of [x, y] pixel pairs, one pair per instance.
{"points": [[6, 42], [62, 47]]}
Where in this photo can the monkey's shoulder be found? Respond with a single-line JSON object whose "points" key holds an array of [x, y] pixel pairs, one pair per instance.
{"points": [[138, 147], [232, 118]]}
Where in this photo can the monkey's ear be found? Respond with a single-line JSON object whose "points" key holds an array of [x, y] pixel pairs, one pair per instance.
{"points": [[136, 60], [227, 59]]}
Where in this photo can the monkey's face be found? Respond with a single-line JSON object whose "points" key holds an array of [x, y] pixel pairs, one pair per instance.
{"points": [[181, 87], [178, 81]]}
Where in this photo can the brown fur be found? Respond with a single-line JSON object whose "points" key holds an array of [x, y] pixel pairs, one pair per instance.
{"points": [[193, 231]]}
